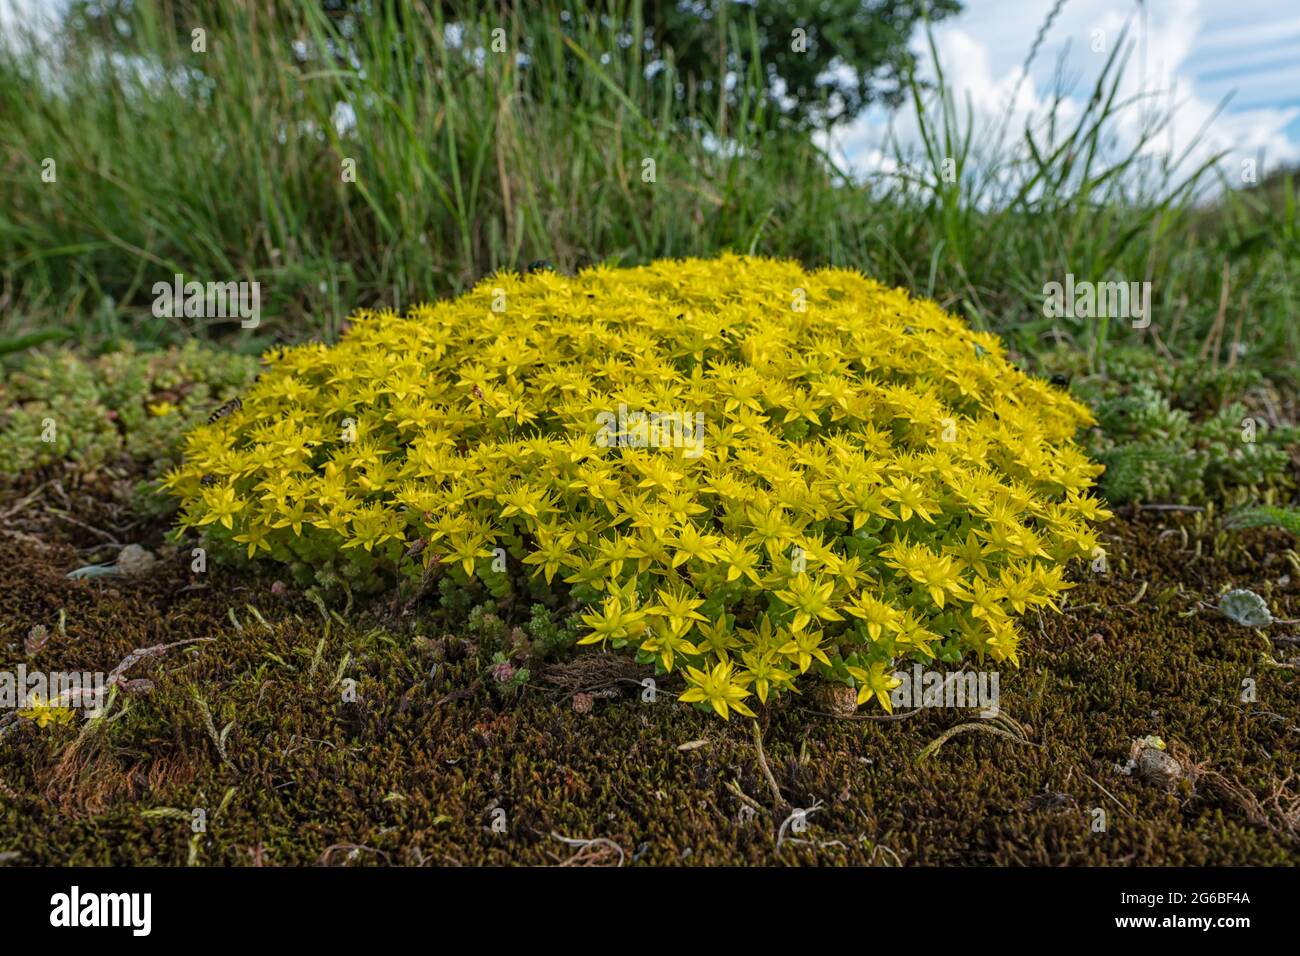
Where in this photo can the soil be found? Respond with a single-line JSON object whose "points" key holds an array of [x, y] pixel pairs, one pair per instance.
{"points": [[427, 760]]}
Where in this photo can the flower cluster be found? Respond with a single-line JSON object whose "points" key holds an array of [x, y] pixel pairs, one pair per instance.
{"points": [[876, 481]]}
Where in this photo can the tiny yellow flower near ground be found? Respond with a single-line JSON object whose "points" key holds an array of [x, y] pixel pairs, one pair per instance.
{"points": [[739, 470], [44, 712]]}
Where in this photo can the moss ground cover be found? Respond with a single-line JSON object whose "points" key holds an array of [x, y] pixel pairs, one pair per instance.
{"points": [[252, 727]]}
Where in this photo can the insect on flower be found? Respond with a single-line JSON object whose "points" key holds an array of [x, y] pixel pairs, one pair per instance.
{"points": [[227, 408]]}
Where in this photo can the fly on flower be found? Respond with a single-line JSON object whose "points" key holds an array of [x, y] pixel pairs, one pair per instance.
{"points": [[224, 409]]}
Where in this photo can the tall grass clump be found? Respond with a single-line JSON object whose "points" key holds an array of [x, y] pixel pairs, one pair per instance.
{"points": [[385, 159]]}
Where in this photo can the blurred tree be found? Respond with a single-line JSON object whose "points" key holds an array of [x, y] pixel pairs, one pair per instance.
{"points": [[815, 61], [821, 60]]}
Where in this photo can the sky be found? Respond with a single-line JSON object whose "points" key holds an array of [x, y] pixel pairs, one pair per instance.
{"points": [[1188, 53]]}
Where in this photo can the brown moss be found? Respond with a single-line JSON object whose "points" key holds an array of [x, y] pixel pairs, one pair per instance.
{"points": [[419, 768]]}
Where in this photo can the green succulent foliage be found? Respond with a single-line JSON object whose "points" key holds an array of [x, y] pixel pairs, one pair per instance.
{"points": [[94, 411], [1246, 608], [1181, 432], [484, 624], [454, 599], [550, 635]]}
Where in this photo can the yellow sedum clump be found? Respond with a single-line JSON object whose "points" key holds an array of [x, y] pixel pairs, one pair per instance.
{"points": [[872, 482]]}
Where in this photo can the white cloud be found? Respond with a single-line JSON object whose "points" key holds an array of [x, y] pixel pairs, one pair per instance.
{"points": [[982, 53]]}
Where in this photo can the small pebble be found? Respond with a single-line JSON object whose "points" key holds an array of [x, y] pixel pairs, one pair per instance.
{"points": [[134, 560], [1159, 768], [838, 699]]}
